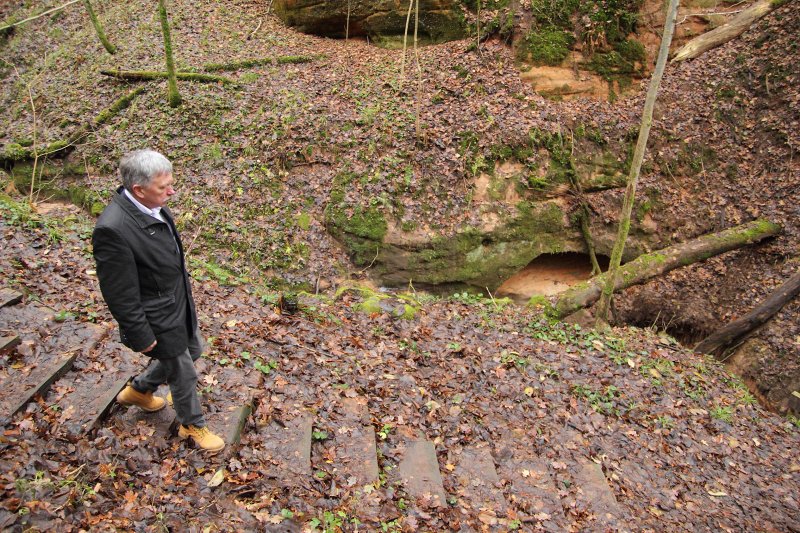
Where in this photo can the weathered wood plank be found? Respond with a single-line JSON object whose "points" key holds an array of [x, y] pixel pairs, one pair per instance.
{"points": [[288, 447], [419, 473], [9, 343], [595, 496], [20, 390], [477, 485], [9, 297], [532, 488]]}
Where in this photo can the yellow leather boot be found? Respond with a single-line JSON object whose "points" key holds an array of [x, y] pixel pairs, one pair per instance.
{"points": [[202, 437], [144, 401]]}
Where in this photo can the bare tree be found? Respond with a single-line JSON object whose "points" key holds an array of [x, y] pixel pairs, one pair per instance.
{"points": [[636, 165], [173, 94], [110, 48]]}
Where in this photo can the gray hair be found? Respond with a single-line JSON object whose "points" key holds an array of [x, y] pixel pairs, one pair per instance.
{"points": [[141, 166]]}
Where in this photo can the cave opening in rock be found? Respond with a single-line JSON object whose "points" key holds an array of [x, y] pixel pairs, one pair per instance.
{"points": [[549, 274]]}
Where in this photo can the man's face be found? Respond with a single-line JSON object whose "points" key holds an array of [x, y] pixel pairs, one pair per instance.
{"points": [[156, 193]]}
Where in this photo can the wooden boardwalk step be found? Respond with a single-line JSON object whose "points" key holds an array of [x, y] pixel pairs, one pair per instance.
{"points": [[229, 402], [20, 388], [478, 485], [595, 496], [419, 473], [9, 297], [532, 488], [357, 458], [8, 343], [287, 446]]}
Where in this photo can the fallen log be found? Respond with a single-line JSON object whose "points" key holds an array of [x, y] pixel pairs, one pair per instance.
{"points": [[654, 264], [728, 31], [741, 327], [257, 62], [146, 75], [14, 152]]}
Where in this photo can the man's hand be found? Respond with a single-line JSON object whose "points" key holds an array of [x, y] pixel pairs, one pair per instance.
{"points": [[150, 347]]}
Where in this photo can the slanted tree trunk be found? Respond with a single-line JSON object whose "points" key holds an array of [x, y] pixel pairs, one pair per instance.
{"points": [[13, 154], [110, 48], [173, 94], [738, 329], [636, 165], [654, 264], [721, 35]]}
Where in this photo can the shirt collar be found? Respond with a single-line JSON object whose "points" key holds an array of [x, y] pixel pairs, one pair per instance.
{"points": [[155, 212]]}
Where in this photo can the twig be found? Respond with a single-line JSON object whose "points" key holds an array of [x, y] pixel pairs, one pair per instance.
{"points": [[492, 297], [269, 7], [685, 17], [377, 251], [39, 15], [257, 27]]}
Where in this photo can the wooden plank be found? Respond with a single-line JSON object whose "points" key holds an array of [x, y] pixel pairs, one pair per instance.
{"points": [[9, 343], [477, 483], [88, 415], [358, 462], [357, 459], [229, 424], [595, 496], [419, 473], [531, 487], [20, 391], [9, 297], [288, 448]]}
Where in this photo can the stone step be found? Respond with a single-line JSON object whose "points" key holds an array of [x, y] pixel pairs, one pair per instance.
{"points": [[419, 474], [478, 488], [9, 297], [532, 489]]}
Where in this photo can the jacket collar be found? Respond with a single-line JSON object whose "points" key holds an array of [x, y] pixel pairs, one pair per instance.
{"points": [[141, 219]]}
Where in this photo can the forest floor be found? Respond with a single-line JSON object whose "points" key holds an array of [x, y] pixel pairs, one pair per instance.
{"points": [[680, 442]]}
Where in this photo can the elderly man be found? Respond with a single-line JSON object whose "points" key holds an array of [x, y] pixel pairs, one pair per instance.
{"points": [[144, 281]]}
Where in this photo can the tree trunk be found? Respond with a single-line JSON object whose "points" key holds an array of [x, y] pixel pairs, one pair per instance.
{"points": [[110, 48], [654, 264], [719, 36], [737, 329], [144, 75], [173, 94], [12, 154], [636, 165]]}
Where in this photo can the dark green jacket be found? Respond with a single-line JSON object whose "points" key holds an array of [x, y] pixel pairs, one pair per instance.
{"points": [[143, 278]]}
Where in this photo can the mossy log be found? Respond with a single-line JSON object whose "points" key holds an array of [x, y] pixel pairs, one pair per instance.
{"points": [[654, 264], [14, 152], [146, 75], [721, 35], [736, 330], [257, 62]]}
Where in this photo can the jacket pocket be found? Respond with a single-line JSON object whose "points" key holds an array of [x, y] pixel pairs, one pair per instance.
{"points": [[160, 312]]}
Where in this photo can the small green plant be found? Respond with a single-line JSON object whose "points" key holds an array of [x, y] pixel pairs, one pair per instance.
{"points": [[722, 413], [383, 434], [665, 422], [265, 368], [319, 435], [63, 316], [601, 401]]}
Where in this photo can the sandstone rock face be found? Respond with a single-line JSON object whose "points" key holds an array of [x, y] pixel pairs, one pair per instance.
{"points": [[439, 19]]}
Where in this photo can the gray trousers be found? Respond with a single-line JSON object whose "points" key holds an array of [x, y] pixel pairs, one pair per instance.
{"points": [[180, 375]]}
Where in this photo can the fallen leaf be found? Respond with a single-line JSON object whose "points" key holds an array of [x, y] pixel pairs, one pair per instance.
{"points": [[217, 479]]}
